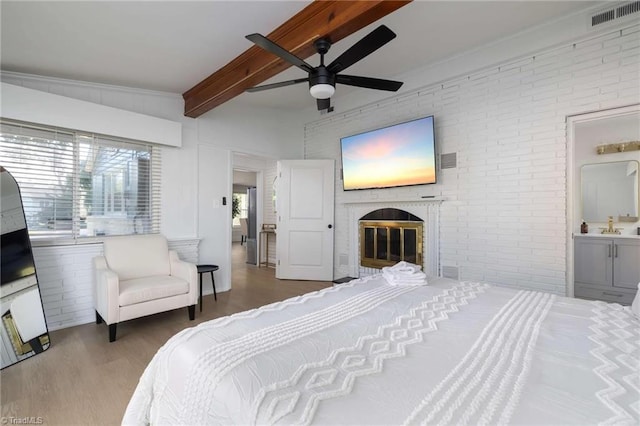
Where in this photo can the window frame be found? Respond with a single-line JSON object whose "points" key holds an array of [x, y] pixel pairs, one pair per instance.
{"points": [[152, 191]]}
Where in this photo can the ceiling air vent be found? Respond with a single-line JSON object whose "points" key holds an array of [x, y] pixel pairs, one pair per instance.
{"points": [[614, 13], [628, 9], [603, 17]]}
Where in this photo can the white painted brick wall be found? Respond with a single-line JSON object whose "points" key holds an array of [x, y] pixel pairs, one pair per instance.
{"points": [[187, 249], [65, 276], [66, 280], [504, 218], [269, 212]]}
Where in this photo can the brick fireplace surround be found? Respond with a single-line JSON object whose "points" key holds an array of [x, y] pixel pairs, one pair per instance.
{"points": [[426, 210]]}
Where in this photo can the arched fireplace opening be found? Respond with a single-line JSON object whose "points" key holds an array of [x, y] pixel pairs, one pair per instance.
{"points": [[388, 236]]}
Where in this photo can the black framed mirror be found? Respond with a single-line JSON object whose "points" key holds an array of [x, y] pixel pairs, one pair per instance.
{"points": [[23, 328]]}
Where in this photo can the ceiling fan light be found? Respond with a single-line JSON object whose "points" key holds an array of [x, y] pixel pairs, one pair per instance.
{"points": [[322, 91]]}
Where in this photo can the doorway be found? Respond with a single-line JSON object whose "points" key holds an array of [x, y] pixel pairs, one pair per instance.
{"points": [[251, 175], [244, 213], [588, 135]]}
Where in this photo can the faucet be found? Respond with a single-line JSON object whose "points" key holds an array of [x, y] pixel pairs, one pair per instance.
{"points": [[610, 229]]}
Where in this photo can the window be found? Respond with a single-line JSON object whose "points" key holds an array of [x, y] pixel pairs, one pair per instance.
{"points": [[75, 184], [244, 207]]}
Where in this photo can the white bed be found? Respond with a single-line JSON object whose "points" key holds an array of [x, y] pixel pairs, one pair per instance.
{"points": [[370, 353]]}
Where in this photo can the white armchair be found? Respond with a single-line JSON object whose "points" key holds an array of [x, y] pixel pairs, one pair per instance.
{"points": [[138, 276]]}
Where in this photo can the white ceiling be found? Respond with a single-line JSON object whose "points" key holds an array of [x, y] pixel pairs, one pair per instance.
{"points": [[172, 45]]}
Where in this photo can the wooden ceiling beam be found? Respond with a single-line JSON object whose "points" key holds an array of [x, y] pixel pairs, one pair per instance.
{"points": [[334, 20]]}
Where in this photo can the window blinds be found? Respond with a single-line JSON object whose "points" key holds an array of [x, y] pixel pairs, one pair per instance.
{"points": [[76, 184]]}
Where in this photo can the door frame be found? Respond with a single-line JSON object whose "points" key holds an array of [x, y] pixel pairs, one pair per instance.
{"points": [[250, 166], [573, 180]]}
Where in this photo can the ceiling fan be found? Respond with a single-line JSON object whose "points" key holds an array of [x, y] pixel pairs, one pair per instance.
{"points": [[323, 78]]}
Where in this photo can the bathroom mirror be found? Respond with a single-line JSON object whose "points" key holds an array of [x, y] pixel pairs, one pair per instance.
{"points": [[610, 189], [23, 331]]}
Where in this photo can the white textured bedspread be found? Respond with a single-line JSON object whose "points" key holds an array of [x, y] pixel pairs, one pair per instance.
{"points": [[367, 353]]}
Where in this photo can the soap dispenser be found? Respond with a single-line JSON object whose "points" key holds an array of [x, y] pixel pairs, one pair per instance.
{"points": [[584, 228]]}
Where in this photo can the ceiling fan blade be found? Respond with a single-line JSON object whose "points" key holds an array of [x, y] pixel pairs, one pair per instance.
{"points": [[367, 45], [369, 83], [323, 104], [269, 46], [274, 85]]}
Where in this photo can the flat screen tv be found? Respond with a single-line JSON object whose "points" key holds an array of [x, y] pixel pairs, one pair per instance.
{"points": [[15, 253], [399, 155]]}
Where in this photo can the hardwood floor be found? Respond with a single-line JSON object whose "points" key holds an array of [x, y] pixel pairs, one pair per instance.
{"points": [[83, 379]]}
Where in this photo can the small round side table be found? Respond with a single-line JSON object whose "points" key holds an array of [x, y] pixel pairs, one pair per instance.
{"points": [[203, 269]]}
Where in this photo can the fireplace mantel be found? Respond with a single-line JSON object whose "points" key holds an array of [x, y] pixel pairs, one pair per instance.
{"points": [[429, 199]]}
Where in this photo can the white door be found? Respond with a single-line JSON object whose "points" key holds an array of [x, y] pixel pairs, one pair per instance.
{"points": [[304, 203]]}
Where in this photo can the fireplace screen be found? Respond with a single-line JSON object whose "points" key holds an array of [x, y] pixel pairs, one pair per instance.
{"points": [[385, 243]]}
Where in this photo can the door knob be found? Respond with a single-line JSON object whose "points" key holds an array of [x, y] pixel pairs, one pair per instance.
{"points": [[330, 226]]}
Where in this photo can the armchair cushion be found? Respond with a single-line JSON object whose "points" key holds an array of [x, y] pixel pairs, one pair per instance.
{"points": [[150, 288], [139, 256]]}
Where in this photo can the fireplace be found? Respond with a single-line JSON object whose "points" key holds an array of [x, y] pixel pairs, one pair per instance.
{"points": [[388, 236], [425, 211]]}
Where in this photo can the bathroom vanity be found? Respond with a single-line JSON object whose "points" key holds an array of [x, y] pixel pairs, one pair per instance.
{"points": [[607, 261], [606, 267]]}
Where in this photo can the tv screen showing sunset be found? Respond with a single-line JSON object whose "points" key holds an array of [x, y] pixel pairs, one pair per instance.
{"points": [[399, 155]]}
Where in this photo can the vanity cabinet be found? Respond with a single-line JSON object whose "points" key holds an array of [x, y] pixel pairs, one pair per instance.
{"points": [[606, 268]]}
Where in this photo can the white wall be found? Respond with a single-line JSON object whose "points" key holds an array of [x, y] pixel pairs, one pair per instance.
{"points": [[214, 211], [64, 271], [504, 215], [257, 131], [244, 179]]}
